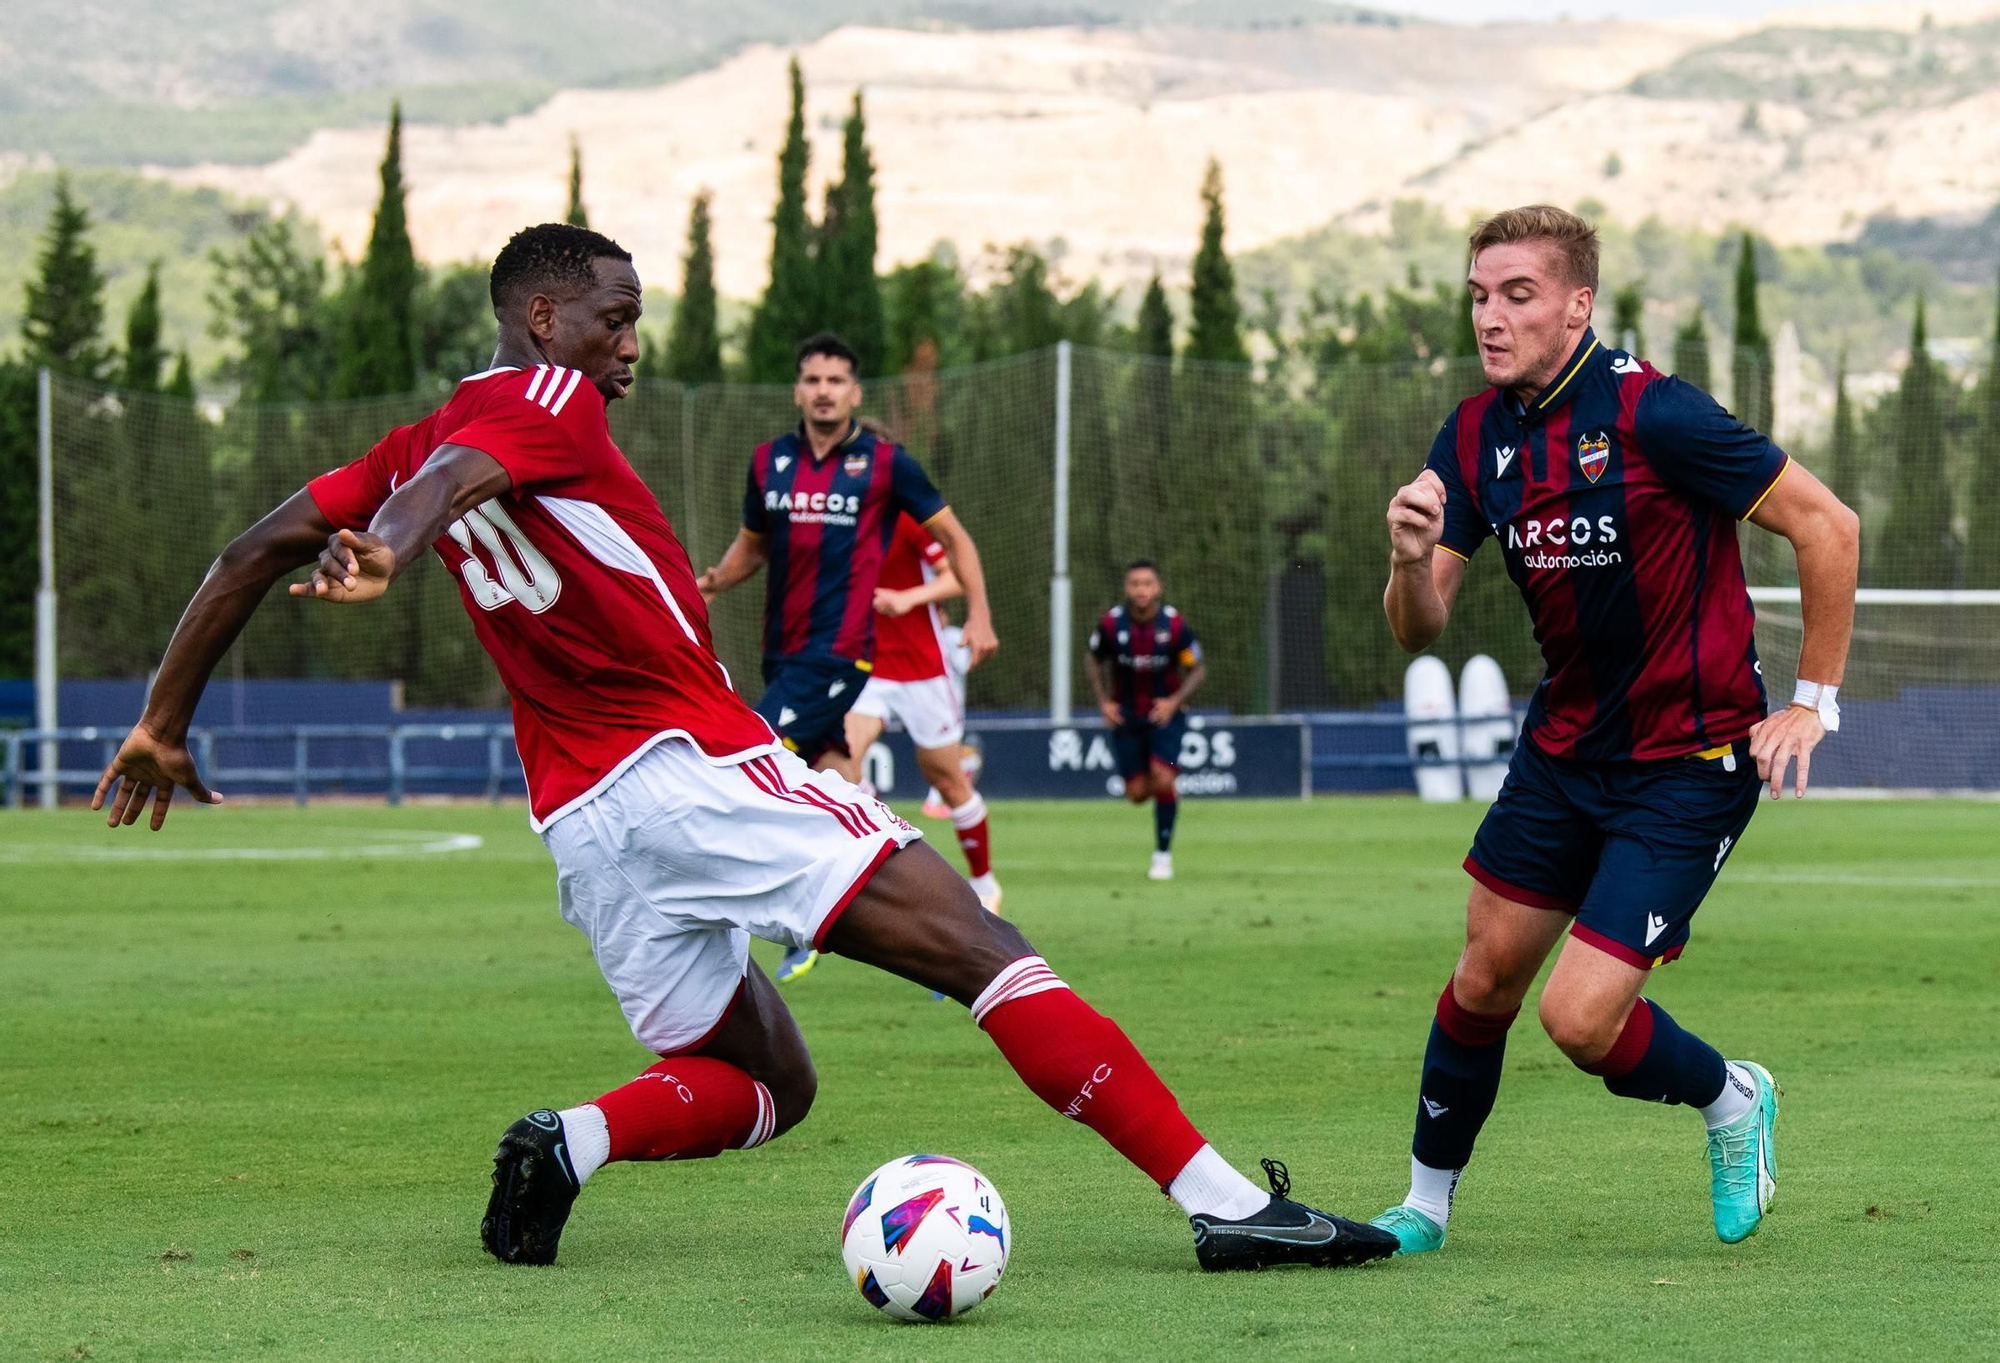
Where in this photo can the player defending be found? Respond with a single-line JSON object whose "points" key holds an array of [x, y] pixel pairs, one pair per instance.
{"points": [[821, 508], [1145, 664], [680, 826], [1614, 492], [913, 683]]}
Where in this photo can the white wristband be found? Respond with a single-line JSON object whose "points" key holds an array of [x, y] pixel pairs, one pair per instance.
{"points": [[1821, 697]]}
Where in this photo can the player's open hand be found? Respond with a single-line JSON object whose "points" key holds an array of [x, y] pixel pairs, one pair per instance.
{"points": [[149, 767], [354, 566], [1113, 713], [1163, 710], [890, 602], [1778, 741], [1416, 519], [980, 641]]}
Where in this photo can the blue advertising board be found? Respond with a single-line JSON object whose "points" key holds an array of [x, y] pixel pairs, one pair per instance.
{"points": [[1036, 760]]}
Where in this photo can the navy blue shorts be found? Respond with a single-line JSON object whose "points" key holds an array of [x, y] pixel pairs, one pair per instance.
{"points": [[1628, 848], [1140, 745], [807, 699]]}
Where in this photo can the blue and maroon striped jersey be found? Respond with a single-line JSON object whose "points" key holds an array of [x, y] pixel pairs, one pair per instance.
{"points": [[1615, 495], [1150, 656], [827, 524]]}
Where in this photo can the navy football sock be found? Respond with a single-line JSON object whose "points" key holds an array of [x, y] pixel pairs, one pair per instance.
{"points": [[1657, 1061], [1461, 1080], [1164, 810]]}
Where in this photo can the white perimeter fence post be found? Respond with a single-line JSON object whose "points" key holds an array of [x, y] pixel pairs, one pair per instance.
{"points": [[45, 593], [1059, 587]]}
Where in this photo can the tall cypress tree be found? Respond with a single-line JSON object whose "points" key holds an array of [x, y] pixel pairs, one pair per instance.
{"points": [[1215, 316], [785, 315], [1691, 351], [378, 350], [144, 356], [694, 346], [1983, 533], [181, 385], [1918, 547], [1844, 456], [1750, 355], [1628, 312], [850, 293], [64, 317], [1154, 334], [574, 215]]}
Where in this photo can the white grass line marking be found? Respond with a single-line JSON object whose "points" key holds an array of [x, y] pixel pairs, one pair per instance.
{"points": [[418, 845]]}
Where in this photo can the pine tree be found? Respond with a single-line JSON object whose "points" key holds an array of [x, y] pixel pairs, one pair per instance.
{"points": [[785, 315], [1983, 532], [850, 294], [1917, 540], [1628, 311], [574, 215], [64, 316], [271, 297], [1750, 355], [1844, 455], [1691, 352], [144, 357], [924, 310], [1215, 316], [378, 347], [1154, 334], [181, 385], [694, 346]]}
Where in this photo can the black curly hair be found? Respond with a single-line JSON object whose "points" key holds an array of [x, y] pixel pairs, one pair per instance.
{"points": [[548, 255]]}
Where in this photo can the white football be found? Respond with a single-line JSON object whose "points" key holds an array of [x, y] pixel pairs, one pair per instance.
{"points": [[925, 1238]]}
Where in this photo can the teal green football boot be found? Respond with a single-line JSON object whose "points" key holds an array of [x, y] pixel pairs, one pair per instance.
{"points": [[1414, 1231], [1743, 1161]]}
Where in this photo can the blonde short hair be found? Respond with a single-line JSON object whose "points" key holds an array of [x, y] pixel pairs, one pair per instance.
{"points": [[1573, 238]]}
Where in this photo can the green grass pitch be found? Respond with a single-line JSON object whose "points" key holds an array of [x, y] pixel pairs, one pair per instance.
{"points": [[250, 1102]]}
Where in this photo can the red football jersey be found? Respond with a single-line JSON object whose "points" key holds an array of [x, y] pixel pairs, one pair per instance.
{"points": [[574, 582], [910, 647]]}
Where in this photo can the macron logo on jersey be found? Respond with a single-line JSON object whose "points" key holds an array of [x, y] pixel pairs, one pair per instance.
{"points": [[551, 387], [1502, 457]]}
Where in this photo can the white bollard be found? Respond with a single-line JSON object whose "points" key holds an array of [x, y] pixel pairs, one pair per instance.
{"points": [[1433, 730], [1486, 715]]}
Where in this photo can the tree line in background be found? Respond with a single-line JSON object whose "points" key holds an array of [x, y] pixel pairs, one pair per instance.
{"points": [[1276, 472]]}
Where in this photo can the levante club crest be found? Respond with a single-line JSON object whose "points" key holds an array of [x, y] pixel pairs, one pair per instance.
{"points": [[1593, 452]]}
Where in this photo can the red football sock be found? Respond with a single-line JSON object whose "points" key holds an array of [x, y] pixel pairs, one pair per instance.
{"points": [[970, 821], [1080, 1063], [687, 1107]]}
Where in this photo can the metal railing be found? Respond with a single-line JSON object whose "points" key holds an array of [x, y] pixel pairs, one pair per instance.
{"points": [[394, 775]]}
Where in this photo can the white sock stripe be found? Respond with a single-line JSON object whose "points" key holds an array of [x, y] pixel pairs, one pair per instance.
{"points": [[970, 814], [760, 1129], [1029, 975]]}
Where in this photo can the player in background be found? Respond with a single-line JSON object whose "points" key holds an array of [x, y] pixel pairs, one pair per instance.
{"points": [[1145, 664], [678, 823], [912, 684], [1614, 492], [821, 508]]}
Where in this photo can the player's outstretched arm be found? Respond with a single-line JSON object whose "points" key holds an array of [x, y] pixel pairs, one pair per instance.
{"points": [[360, 565], [1422, 582], [1826, 536], [943, 586], [154, 758], [963, 555], [1099, 673], [747, 553]]}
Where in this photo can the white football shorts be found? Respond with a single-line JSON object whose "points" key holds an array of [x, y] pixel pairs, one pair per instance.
{"points": [[931, 711], [677, 864]]}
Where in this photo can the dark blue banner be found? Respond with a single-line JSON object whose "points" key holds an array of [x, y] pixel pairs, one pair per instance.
{"points": [[1035, 760]]}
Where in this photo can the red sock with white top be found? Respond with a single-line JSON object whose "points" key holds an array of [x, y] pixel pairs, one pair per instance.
{"points": [[1081, 1064], [686, 1107], [970, 821]]}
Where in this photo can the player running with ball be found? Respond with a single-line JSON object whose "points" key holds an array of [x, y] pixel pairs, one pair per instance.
{"points": [[679, 824], [1614, 492]]}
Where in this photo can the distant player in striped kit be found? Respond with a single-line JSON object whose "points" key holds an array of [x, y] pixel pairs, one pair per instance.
{"points": [[821, 508], [1145, 663], [1613, 493], [913, 684]]}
